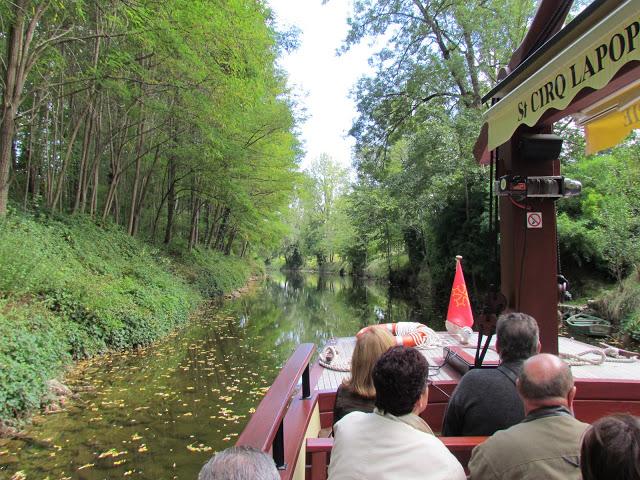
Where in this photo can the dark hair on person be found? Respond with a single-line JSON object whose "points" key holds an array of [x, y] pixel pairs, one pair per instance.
{"points": [[556, 386], [400, 377], [517, 336], [611, 449]]}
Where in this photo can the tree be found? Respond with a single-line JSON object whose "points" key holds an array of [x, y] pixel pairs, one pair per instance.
{"points": [[159, 116]]}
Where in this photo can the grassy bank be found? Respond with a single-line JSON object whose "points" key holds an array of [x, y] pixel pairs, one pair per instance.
{"points": [[70, 289], [621, 305]]}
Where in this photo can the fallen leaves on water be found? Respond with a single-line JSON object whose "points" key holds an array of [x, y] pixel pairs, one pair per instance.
{"points": [[128, 472], [200, 448], [112, 452], [120, 462], [86, 465], [143, 448], [135, 436]]}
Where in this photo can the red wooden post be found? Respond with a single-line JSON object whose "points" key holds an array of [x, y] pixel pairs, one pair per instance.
{"points": [[528, 256]]}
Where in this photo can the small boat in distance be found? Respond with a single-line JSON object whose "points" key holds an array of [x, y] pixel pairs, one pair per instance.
{"points": [[584, 324]]}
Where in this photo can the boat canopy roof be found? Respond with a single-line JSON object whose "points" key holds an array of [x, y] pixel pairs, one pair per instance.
{"points": [[586, 54]]}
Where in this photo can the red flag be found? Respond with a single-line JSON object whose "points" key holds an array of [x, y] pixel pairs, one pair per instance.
{"points": [[459, 313]]}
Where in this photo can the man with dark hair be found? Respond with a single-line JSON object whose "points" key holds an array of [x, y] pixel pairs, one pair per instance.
{"points": [[546, 444], [393, 442], [486, 400], [240, 463]]}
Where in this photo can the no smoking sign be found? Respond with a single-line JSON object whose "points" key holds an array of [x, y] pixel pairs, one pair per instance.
{"points": [[534, 219]]}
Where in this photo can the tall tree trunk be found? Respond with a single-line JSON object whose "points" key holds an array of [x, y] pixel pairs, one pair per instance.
{"points": [[171, 200], [84, 160], [195, 221], [222, 230], [10, 99], [146, 180], [232, 236], [32, 128], [67, 159], [97, 153], [136, 178], [214, 223]]}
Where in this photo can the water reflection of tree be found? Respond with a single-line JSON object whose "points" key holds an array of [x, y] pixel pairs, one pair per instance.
{"points": [[298, 308]]}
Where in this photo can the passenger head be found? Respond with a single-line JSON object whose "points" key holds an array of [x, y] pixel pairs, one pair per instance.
{"points": [[517, 336], [545, 381], [611, 449], [369, 348], [400, 378], [240, 463]]}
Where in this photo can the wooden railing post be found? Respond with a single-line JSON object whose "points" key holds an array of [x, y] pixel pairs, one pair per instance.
{"points": [[278, 448], [306, 384]]}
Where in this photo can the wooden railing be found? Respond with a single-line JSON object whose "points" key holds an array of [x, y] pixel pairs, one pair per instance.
{"points": [[266, 428]]}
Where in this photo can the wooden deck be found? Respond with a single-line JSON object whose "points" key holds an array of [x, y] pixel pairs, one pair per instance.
{"points": [[608, 371]]}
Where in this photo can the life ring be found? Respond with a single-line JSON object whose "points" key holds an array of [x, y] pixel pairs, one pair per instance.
{"points": [[408, 334]]}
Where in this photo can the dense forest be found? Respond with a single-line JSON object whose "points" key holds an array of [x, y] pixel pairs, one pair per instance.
{"points": [[169, 118], [147, 152], [418, 197]]}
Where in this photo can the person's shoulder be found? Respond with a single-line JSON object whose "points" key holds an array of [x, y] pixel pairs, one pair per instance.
{"points": [[571, 423], [505, 438], [480, 375], [352, 418]]}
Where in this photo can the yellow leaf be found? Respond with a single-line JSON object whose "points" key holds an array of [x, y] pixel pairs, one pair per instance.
{"points": [[87, 465]]}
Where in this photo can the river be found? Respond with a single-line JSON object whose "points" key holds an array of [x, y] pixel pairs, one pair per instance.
{"points": [[162, 411]]}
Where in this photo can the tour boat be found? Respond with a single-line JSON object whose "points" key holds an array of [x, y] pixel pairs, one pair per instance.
{"points": [[552, 75]]}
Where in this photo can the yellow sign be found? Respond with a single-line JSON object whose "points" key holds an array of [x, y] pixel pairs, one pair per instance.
{"points": [[591, 61], [608, 131]]}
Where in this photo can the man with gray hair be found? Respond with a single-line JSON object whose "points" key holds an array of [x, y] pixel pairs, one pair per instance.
{"points": [[240, 463], [486, 400], [546, 444]]}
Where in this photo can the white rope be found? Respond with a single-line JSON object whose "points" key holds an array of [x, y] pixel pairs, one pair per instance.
{"points": [[329, 358], [608, 355]]}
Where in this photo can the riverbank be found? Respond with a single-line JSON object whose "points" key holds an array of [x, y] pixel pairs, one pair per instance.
{"points": [[70, 289]]}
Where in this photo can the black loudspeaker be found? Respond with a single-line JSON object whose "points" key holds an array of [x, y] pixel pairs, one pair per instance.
{"points": [[540, 147]]}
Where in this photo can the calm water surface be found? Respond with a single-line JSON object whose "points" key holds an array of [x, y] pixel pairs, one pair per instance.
{"points": [[161, 412]]}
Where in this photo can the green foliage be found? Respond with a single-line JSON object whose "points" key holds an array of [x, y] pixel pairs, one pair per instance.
{"points": [[622, 304], [33, 348], [214, 273], [71, 289], [600, 229]]}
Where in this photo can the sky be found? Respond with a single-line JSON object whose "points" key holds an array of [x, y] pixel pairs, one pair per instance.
{"points": [[320, 79]]}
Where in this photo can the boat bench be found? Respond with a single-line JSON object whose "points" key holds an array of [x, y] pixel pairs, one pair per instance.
{"points": [[319, 451]]}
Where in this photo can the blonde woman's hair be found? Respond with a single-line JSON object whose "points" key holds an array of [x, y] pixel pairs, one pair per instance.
{"points": [[369, 348]]}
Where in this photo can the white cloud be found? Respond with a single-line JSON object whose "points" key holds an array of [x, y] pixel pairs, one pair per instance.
{"points": [[321, 79]]}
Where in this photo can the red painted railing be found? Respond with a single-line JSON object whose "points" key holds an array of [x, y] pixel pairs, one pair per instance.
{"points": [[266, 428]]}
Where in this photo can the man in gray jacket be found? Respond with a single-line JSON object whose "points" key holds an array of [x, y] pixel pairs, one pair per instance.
{"points": [[546, 444]]}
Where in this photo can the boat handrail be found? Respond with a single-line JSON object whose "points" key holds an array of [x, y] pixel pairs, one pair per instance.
{"points": [[265, 429]]}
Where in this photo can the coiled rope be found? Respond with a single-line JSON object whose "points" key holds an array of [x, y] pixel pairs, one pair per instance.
{"points": [[610, 354], [330, 358]]}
